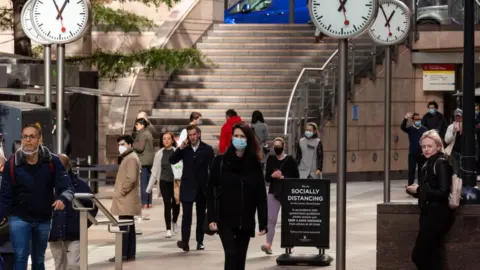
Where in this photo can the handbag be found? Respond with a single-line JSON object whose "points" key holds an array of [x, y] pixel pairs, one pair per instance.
{"points": [[216, 195]]}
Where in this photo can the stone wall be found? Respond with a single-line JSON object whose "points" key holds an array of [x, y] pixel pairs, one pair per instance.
{"points": [[397, 228], [366, 135]]}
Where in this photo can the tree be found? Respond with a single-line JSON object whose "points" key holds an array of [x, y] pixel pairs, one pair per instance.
{"points": [[110, 64]]}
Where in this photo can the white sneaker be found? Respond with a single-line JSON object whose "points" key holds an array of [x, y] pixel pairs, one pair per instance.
{"points": [[175, 227], [169, 234]]}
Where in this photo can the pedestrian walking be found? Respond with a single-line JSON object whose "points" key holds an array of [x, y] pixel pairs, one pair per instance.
{"points": [[278, 167], [6, 249], [310, 153], [433, 191], [415, 155], [195, 119], [65, 232], [231, 118], [167, 174], [197, 157], [126, 199], [34, 183], [150, 127], [261, 132], [143, 146], [237, 178]]}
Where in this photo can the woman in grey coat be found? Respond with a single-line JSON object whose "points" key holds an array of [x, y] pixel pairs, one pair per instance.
{"points": [[310, 153], [261, 132]]}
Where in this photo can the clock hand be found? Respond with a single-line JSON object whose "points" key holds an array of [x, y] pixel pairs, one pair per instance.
{"points": [[63, 8], [342, 6], [61, 17], [390, 18], [383, 11]]}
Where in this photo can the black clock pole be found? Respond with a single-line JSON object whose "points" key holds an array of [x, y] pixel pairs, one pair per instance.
{"points": [[342, 154], [468, 159], [60, 96]]}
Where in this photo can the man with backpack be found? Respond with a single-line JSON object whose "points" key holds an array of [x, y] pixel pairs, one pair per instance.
{"points": [[34, 184]]}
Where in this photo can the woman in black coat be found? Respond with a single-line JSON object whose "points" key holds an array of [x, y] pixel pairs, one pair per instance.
{"points": [[237, 178], [433, 191]]}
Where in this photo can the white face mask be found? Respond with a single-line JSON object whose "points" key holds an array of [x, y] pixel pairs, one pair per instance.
{"points": [[122, 149], [28, 153]]}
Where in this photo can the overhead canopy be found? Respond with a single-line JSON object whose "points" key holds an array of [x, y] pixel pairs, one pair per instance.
{"points": [[459, 94], [68, 90]]}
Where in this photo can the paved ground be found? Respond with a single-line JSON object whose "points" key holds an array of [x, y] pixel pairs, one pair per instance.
{"points": [[154, 251]]}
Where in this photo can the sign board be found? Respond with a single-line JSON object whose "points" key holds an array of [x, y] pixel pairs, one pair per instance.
{"points": [[306, 213], [438, 77]]}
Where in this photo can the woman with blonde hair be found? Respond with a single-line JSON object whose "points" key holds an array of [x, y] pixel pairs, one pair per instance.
{"points": [[432, 191]]}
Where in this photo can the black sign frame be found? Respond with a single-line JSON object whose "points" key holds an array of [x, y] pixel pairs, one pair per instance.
{"points": [[291, 239]]}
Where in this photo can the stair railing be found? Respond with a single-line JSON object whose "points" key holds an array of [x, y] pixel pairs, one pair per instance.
{"points": [[293, 115]]}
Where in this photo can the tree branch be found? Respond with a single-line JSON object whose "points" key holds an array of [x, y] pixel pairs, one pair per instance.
{"points": [[6, 18], [108, 19]]}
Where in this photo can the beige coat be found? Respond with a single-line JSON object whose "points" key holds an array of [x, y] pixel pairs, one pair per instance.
{"points": [[126, 196]]}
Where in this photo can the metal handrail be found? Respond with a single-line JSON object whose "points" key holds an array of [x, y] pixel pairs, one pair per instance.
{"points": [[296, 85]]}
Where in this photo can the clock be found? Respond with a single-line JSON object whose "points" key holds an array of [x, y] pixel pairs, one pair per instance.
{"points": [[26, 21], [392, 24], [60, 21], [343, 18]]}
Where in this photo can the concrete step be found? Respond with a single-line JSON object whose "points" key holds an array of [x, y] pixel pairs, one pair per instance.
{"points": [[233, 78], [192, 93], [214, 129], [200, 106], [239, 64], [219, 120], [293, 33], [255, 52], [225, 99], [253, 72], [214, 113], [319, 60], [260, 27], [274, 39], [269, 46], [231, 85]]}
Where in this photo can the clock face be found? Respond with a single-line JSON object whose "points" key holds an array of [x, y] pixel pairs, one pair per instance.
{"points": [[60, 21], [392, 24], [343, 18], [26, 20]]}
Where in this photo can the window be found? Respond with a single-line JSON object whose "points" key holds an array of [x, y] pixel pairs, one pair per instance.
{"points": [[255, 5]]}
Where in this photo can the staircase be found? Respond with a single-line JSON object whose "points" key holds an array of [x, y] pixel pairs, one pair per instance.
{"points": [[255, 68]]}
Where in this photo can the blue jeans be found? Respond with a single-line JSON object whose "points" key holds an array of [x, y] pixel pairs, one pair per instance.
{"points": [[144, 178], [21, 233]]}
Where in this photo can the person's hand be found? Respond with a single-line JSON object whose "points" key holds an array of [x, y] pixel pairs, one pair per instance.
{"points": [[318, 172], [184, 144], [408, 115], [263, 232], [213, 226], [412, 189], [58, 205], [277, 174]]}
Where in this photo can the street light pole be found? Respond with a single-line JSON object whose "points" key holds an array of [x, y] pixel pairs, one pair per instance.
{"points": [[468, 159]]}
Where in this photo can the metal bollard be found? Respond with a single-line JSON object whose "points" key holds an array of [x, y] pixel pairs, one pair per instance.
{"points": [[84, 240]]}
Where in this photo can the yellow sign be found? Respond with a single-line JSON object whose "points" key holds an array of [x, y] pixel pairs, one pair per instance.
{"points": [[439, 80]]}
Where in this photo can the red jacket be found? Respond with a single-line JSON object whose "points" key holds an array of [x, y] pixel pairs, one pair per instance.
{"points": [[226, 133]]}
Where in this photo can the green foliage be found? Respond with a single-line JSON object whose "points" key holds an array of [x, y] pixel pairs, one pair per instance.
{"points": [[108, 19], [156, 3], [113, 65], [37, 51], [6, 18]]}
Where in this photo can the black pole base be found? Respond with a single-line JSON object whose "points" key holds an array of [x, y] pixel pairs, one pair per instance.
{"points": [[313, 259], [470, 195]]}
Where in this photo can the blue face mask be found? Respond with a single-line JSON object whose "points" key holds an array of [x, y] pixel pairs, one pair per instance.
{"points": [[239, 143], [431, 111], [418, 123], [308, 134]]}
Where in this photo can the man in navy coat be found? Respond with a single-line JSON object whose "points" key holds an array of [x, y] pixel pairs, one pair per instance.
{"points": [[196, 156]]}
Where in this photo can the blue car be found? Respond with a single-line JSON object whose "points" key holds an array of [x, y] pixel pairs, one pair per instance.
{"points": [[266, 11]]}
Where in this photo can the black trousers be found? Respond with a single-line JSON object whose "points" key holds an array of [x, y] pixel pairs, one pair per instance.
{"points": [[415, 164], [201, 204], [129, 239], [8, 260], [435, 222], [171, 208], [235, 245]]}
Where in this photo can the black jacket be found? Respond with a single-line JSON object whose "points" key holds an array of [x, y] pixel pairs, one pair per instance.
{"points": [[242, 192], [435, 182], [195, 169], [435, 121], [66, 222], [288, 167]]}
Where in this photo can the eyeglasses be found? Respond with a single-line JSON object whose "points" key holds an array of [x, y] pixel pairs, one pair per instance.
{"points": [[29, 137]]}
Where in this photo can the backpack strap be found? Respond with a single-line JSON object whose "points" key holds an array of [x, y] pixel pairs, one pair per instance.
{"points": [[435, 163], [12, 169]]}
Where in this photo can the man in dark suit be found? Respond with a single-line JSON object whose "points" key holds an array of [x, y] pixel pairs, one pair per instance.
{"points": [[196, 156]]}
